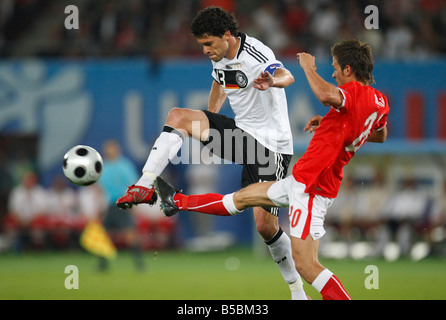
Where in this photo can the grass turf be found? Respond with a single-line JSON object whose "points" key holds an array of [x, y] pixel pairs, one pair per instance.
{"points": [[233, 274]]}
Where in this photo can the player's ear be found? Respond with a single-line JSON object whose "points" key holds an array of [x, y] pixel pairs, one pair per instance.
{"points": [[347, 71], [227, 34]]}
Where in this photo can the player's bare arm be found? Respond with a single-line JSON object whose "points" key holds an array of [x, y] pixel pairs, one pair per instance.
{"points": [[378, 135], [217, 97], [281, 78], [325, 92]]}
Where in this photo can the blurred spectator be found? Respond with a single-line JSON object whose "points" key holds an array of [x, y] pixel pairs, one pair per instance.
{"points": [[6, 182], [375, 38], [26, 221], [436, 234], [269, 26], [405, 210], [108, 24], [119, 172], [203, 178], [296, 18], [373, 199], [91, 207], [326, 22], [61, 198], [126, 38], [91, 203], [6, 13], [370, 216], [426, 42], [399, 40], [16, 17], [60, 212], [340, 215]]}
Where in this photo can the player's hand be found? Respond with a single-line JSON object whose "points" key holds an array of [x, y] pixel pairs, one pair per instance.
{"points": [[313, 124], [306, 60], [264, 81]]}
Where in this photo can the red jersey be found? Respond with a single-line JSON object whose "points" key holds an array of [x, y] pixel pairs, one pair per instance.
{"points": [[341, 133]]}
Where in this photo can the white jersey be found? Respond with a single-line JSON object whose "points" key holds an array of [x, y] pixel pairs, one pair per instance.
{"points": [[263, 114]]}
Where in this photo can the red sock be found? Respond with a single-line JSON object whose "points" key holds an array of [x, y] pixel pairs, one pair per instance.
{"points": [[209, 203], [333, 290]]}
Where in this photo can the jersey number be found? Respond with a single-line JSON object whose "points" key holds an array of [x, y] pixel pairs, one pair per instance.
{"points": [[221, 76], [359, 141]]}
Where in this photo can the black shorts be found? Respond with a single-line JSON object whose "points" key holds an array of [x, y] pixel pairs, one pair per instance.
{"points": [[229, 142]]}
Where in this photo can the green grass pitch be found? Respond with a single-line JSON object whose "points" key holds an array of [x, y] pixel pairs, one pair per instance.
{"points": [[233, 274]]}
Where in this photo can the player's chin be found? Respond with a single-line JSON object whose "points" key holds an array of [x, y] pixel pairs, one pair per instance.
{"points": [[215, 58]]}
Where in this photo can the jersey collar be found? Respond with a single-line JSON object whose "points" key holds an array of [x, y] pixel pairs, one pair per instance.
{"points": [[242, 43]]}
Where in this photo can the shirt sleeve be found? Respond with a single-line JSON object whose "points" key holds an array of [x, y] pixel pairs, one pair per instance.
{"points": [[214, 74], [343, 92], [382, 122], [348, 92]]}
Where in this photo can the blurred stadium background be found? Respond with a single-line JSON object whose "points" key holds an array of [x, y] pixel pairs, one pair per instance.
{"points": [[117, 76]]}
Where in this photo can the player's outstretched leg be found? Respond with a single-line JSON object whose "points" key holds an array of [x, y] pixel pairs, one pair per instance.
{"points": [[163, 151], [180, 123], [172, 201], [212, 203], [305, 252]]}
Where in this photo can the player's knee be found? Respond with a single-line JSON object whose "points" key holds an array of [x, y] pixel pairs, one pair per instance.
{"points": [[177, 118], [266, 228], [303, 267]]}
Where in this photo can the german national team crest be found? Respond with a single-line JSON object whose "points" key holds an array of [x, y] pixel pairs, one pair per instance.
{"points": [[241, 79]]}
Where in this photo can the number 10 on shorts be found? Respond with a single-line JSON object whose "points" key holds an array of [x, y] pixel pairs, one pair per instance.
{"points": [[294, 216]]}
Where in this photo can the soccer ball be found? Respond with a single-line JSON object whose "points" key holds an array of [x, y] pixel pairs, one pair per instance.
{"points": [[82, 165]]}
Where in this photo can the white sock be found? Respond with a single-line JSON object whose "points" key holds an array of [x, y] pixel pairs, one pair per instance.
{"points": [[280, 248], [228, 203], [163, 151], [297, 290], [146, 179], [322, 279]]}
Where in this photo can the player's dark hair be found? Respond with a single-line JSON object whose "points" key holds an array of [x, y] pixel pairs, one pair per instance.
{"points": [[356, 54], [213, 21]]}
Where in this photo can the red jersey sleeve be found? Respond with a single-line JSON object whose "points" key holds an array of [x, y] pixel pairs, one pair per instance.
{"points": [[381, 100], [348, 91]]}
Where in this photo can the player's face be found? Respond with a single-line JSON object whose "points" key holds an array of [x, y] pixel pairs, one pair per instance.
{"points": [[338, 73], [215, 47]]}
